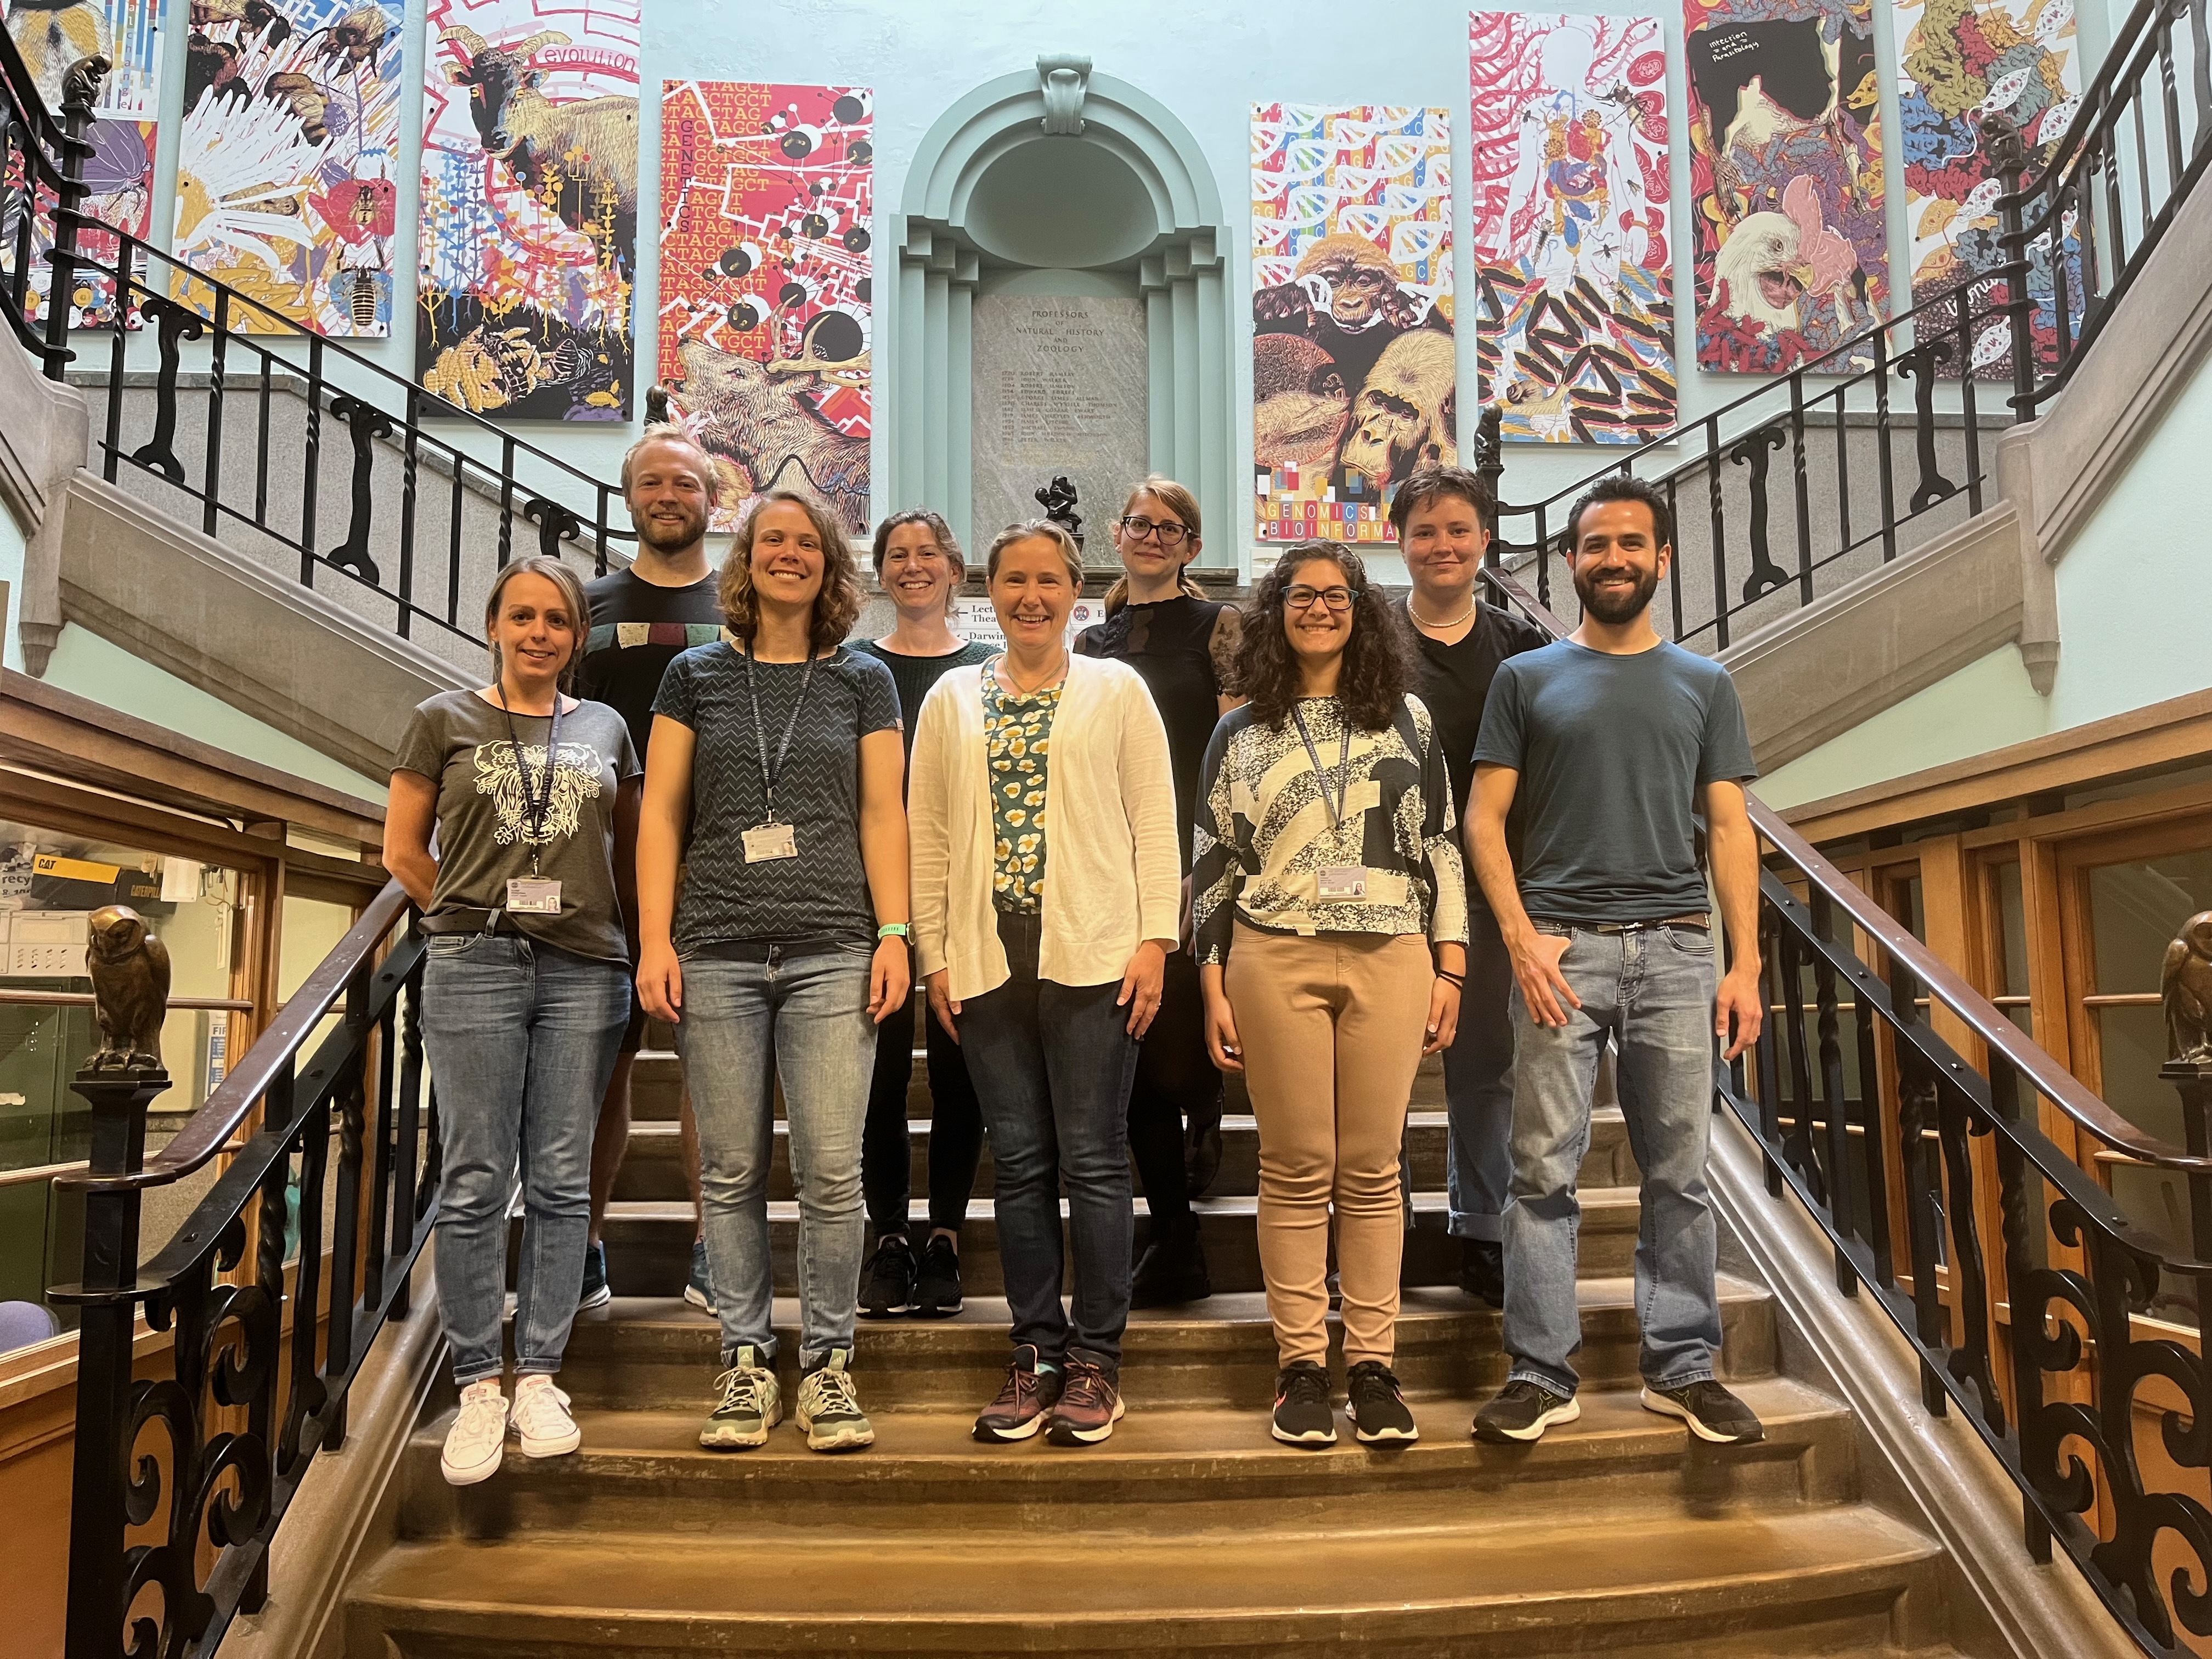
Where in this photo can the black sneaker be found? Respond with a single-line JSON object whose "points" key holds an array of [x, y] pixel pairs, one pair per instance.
{"points": [[1522, 1410], [1712, 1412], [1375, 1406], [887, 1282], [937, 1287], [1303, 1416], [1030, 1391], [1482, 1270], [596, 1293], [1201, 1153], [1172, 1270]]}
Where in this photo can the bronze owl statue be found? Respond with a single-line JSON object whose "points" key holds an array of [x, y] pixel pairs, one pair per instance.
{"points": [[2185, 987], [129, 970]]}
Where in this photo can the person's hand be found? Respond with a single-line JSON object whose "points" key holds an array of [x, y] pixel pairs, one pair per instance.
{"points": [[1739, 1001], [660, 982], [1140, 985], [942, 1004], [889, 977], [1222, 1045], [1536, 969], [1444, 1016]]}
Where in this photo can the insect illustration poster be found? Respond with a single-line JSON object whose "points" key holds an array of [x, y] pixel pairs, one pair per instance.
{"points": [[529, 234], [1962, 61], [286, 161], [1354, 369], [1575, 332], [1786, 173], [767, 291]]}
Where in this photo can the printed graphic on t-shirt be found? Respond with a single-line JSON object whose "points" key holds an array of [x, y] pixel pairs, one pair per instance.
{"points": [[627, 636], [575, 780]]}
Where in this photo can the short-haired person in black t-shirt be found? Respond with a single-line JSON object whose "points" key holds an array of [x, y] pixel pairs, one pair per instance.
{"points": [[1442, 516], [641, 619]]}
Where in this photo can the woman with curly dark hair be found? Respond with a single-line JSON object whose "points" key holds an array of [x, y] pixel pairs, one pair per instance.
{"points": [[1326, 854]]}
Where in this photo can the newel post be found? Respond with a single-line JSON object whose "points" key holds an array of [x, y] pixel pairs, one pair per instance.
{"points": [[2007, 154], [79, 88]]}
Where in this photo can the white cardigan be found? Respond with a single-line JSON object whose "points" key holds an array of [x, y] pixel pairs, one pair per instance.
{"points": [[1112, 876]]}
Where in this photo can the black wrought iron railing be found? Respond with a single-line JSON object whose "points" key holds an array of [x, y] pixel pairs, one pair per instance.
{"points": [[183, 1476]]}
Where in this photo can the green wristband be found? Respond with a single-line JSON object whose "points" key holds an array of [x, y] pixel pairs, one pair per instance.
{"points": [[891, 927]]}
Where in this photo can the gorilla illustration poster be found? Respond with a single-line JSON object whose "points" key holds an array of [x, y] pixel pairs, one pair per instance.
{"points": [[1785, 169], [286, 161], [529, 236], [766, 307], [1575, 324], [1354, 369], [1964, 60]]}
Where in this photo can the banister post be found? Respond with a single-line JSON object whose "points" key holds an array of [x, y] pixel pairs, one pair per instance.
{"points": [[2007, 154], [80, 86], [1490, 467]]}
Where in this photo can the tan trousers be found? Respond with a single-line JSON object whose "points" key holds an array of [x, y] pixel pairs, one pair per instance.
{"points": [[1332, 1029]]}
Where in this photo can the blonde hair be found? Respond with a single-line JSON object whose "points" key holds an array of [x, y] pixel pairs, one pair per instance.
{"points": [[1178, 500], [836, 607], [572, 595], [940, 531], [1043, 529], [669, 432]]}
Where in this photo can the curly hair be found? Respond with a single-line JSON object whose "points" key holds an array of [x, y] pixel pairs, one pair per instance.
{"points": [[836, 607], [1378, 659]]}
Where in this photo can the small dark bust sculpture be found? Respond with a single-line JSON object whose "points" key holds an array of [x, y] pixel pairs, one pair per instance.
{"points": [[2186, 986], [130, 972], [1058, 500]]}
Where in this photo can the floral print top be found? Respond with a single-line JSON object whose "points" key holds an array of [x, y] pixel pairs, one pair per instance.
{"points": [[1017, 744]]}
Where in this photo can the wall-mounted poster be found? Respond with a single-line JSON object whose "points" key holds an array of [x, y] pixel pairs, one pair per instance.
{"points": [[1354, 369], [1785, 169], [119, 175], [1575, 324], [286, 161], [529, 239], [1963, 60], [767, 292]]}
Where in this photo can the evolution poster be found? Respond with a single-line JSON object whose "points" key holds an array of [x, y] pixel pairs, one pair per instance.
{"points": [[286, 161], [1354, 369], [767, 302], [1575, 326], [1962, 61], [529, 237], [1786, 172]]}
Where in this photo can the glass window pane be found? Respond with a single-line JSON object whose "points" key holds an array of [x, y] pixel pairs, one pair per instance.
{"points": [[2012, 942], [2136, 909], [2131, 1041]]}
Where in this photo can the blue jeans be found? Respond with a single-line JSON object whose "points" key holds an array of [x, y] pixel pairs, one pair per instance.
{"points": [[1479, 1086], [1052, 1065], [521, 1039], [802, 1021], [1654, 992]]}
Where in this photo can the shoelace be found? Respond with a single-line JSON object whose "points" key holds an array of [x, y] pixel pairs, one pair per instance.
{"points": [[532, 1405], [1020, 1386], [741, 1390], [1379, 1381], [833, 1394], [1086, 1388], [482, 1418], [1306, 1388]]}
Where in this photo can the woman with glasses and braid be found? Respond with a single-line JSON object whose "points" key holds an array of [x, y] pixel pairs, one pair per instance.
{"points": [[1330, 909]]}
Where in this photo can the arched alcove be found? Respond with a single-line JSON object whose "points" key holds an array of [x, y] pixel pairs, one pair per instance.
{"points": [[1067, 168]]}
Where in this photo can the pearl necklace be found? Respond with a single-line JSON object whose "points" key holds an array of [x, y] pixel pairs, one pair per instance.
{"points": [[1419, 621]]}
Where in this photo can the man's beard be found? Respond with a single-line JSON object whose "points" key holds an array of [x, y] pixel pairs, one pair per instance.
{"points": [[661, 538], [1611, 611]]}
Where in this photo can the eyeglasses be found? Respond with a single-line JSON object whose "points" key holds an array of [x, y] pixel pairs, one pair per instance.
{"points": [[1337, 600], [1169, 534]]}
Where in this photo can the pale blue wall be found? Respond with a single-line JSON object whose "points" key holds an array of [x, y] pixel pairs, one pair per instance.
{"points": [[11, 572]]}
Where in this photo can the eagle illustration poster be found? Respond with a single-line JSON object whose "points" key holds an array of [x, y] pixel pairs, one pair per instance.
{"points": [[1354, 367], [1574, 324], [1786, 172], [767, 292], [529, 233]]}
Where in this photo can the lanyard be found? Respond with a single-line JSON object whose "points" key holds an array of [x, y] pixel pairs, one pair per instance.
{"points": [[537, 804], [1341, 797], [771, 773]]}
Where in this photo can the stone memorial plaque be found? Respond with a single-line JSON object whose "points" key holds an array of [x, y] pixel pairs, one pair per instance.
{"points": [[1061, 388]]}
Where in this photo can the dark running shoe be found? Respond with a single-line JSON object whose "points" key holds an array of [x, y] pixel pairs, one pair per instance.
{"points": [[1522, 1412], [1201, 1153], [1712, 1412], [1088, 1406], [936, 1286], [887, 1282], [1482, 1270], [1376, 1408], [699, 1285], [596, 1293], [1029, 1393], [1303, 1416], [1172, 1270]]}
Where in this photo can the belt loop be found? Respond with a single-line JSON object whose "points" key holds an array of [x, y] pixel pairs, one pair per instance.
{"points": [[491, 922]]}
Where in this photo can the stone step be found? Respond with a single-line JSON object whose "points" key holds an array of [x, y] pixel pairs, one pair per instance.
{"points": [[658, 1354], [1184, 1468], [1841, 1579]]}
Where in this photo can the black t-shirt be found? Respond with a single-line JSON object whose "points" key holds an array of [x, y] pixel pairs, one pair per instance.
{"points": [[1183, 654], [914, 676], [637, 629], [1455, 685]]}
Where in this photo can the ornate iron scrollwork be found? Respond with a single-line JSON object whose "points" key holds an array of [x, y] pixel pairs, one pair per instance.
{"points": [[1751, 449], [556, 523], [367, 424], [173, 324], [1921, 365]]}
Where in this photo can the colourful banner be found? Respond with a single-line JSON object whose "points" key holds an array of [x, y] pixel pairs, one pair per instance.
{"points": [[529, 239], [1962, 60], [287, 164], [1785, 167], [1354, 369], [1575, 334], [767, 303]]}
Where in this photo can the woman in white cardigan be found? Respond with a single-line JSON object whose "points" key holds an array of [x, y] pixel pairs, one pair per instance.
{"points": [[1047, 888]]}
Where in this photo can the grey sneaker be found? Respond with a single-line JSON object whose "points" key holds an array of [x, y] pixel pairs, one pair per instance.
{"points": [[749, 1404], [699, 1287], [1522, 1410], [829, 1408], [1712, 1412]]}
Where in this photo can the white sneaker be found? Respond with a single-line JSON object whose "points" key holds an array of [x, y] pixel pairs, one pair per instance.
{"points": [[477, 1439], [540, 1419]]}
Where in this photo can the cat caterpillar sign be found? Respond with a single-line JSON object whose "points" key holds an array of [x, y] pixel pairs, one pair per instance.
{"points": [[67, 884]]}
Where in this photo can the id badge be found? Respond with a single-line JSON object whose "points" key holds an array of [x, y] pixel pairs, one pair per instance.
{"points": [[764, 841], [532, 896], [1340, 882]]}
